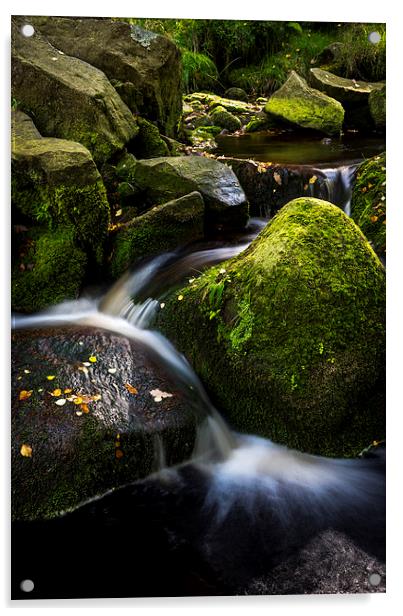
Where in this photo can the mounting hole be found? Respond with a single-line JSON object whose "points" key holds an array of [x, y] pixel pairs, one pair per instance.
{"points": [[28, 30], [374, 37], [374, 579], [27, 585]]}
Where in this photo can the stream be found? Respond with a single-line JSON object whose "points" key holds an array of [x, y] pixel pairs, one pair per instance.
{"points": [[240, 508]]}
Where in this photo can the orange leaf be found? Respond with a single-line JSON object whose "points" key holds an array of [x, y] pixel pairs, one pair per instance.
{"points": [[26, 451], [119, 454], [84, 408], [374, 218], [56, 392], [131, 389], [24, 394]]}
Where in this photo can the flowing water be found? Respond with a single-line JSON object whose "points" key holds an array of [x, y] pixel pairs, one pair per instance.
{"points": [[242, 503]]}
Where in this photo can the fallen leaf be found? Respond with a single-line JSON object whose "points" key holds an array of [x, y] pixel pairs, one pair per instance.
{"points": [[374, 218], [96, 397], [61, 402], [158, 395], [50, 377], [84, 408], [305, 186], [27, 371], [24, 394], [180, 298], [277, 178], [79, 413], [131, 389], [112, 370], [119, 454], [86, 363], [56, 392], [77, 400], [26, 451], [118, 213], [83, 369], [313, 179], [92, 359], [67, 390], [162, 305]]}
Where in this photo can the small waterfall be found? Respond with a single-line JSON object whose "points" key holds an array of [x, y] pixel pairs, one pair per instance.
{"points": [[337, 187]]}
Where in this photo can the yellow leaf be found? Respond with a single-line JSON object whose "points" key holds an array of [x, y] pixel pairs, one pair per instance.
{"points": [[131, 389], [67, 390], [96, 397], [78, 400], [26, 451], [374, 218], [313, 179], [24, 394], [180, 298], [92, 359], [118, 213], [56, 392], [50, 377]]}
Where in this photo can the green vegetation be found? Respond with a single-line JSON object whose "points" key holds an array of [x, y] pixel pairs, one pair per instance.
{"points": [[368, 203]]}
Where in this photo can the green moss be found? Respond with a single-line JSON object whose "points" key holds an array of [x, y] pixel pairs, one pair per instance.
{"points": [[84, 208], [377, 107], [148, 143], [292, 347], [160, 229], [368, 202], [221, 117], [307, 113], [51, 270]]}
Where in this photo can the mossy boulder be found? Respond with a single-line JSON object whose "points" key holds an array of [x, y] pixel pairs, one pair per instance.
{"points": [[55, 183], [48, 268], [289, 336], [347, 91], [237, 94], [225, 119], [163, 179], [80, 450], [368, 201], [296, 103], [148, 143], [68, 98], [163, 228], [377, 107], [144, 67]]}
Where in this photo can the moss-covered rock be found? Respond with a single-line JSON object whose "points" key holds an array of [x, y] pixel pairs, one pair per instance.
{"points": [[67, 97], [48, 268], [164, 179], [295, 102], [261, 121], [368, 201], [164, 227], [237, 94], [347, 91], [221, 117], [55, 183], [145, 67], [377, 107], [148, 143], [113, 438], [289, 336], [202, 139]]}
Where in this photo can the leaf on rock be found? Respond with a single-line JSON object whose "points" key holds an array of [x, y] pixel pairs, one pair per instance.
{"points": [[131, 389], [24, 394], [277, 178], [84, 408], [56, 392], [92, 359], [50, 377], [112, 370], [26, 451], [313, 179], [61, 401], [158, 395]]}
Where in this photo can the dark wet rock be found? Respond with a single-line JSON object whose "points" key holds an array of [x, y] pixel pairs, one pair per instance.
{"points": [[164, 179], [289, 336], [163, 228], [268, 187], [145, 67], [237, 94], [330, 564], [148, 143], [120, 438], [55, 183], [330, 54], [81, 104], [296, 103]]}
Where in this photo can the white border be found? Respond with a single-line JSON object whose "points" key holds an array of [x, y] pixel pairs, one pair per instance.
{"points": [[295, 10]]}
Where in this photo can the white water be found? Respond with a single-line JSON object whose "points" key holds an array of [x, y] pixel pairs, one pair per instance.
{"points": [[339, 186]]}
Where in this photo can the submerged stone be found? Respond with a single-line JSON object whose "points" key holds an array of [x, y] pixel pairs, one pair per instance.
{"points": [[289, 336], [145, 67], [68, 98], [79, 450], [163, 228], [295, 102]]}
